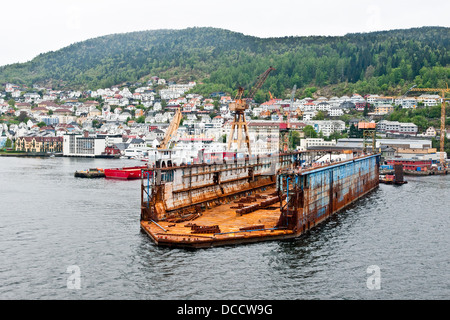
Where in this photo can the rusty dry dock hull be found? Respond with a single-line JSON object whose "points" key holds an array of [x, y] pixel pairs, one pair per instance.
{"points": [[295, 201]]}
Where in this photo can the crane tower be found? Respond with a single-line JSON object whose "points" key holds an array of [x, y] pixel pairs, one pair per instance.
{"points": [[239, 106], [443, 132]]}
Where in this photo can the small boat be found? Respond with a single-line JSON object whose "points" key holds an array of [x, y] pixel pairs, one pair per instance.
{"points": [[125, 173], [390, 179], [90, 173]]}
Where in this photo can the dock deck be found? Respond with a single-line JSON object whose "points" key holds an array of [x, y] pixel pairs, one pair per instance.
{"points": [[221, 225], [226, 204]]}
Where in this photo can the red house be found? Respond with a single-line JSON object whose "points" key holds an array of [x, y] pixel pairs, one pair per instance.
{"points": [[112, 150]]}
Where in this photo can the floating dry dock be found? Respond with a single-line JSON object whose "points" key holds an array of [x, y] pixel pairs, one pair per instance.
{"points": [[235, 202]]}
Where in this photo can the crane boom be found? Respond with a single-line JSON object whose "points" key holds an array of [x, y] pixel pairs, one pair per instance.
{"points": [[171, 130], [259, 82], [291, 105], [284, 132]]}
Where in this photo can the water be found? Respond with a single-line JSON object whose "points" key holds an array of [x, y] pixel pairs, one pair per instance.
{"points": [[51, 221]]}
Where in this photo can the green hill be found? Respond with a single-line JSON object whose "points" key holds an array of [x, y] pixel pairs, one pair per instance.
{"points": [[378, 62]]}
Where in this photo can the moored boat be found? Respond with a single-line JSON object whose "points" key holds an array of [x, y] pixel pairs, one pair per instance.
{"points": [[390, 179], [125, 173], [90, 173]]}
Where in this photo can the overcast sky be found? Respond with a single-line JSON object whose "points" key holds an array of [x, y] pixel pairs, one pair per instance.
{"points": [[33, 27]]}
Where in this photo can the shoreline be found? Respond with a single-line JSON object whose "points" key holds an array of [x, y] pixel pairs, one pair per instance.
{"points": [[47, 155]]}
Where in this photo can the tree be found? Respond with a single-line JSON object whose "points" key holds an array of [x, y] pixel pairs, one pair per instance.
{"points": [[309, 132], [421, 122], [354, 132], [366, 111], [23, 117], [96, 123], [319, 116], [308, 92], [294, 139], [336, 135]]}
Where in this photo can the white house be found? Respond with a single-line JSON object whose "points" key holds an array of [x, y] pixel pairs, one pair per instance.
{"points": [[323, 106], [157, 106], [335, 112], [371, 98], [124, 116], [327, 127], [430, 132], [308, 115], [397, 127], [314, 142]]}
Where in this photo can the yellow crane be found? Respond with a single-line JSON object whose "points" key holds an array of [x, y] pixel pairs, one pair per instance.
{"points": [[171, 130], [238, 107], [442, 91]]}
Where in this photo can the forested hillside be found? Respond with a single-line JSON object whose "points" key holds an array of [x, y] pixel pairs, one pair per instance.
{"points": [[380, 62]]}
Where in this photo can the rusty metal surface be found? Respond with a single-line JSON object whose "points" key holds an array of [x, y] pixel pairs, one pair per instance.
{"points": [[172, 192], [316, 194], [266, 207]]}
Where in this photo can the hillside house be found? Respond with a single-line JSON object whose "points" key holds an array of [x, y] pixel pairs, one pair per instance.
{"points": [[335, 112], [327, 127], [383, 109]]}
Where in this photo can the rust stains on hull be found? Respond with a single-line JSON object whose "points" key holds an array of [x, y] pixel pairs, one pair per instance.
{"points": [[276, 207]]}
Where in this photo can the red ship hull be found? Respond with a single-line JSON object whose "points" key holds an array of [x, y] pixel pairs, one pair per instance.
{"points": [[125, 173]]}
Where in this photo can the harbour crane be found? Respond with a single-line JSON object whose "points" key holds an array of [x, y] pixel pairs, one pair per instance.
{"points": [[171, 130], [239, 106], [291, 106], [443, 132], [271, 96], [284, 138]]}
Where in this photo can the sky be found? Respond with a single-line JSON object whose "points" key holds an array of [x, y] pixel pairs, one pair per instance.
{"points": [[31, 27]]}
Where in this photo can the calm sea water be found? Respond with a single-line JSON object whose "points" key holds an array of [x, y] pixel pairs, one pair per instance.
{"points": [[70, 238]]}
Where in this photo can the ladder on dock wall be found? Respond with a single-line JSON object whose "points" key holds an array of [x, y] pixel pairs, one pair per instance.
{"points": [[290, 188]]}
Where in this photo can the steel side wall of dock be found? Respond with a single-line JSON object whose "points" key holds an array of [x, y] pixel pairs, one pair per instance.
{"points": [[330, 189]]}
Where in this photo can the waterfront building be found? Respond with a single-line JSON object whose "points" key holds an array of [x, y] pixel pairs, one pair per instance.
{"points": [[39, 144], [83, 145]]}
